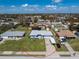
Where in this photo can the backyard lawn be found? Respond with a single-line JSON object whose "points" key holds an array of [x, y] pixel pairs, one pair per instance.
{"points": [[74, 44], [25, 44]]}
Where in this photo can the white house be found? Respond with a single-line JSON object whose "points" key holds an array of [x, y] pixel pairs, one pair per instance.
{"points": [[13, 35], [42, 34]]}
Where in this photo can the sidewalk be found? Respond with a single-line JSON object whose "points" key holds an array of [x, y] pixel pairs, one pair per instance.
{"points": [[50, 49], [41, 53], [70, 49]]}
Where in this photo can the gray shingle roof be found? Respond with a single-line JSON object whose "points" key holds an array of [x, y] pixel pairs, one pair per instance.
{"points": [[12, 33], [41, 32]]}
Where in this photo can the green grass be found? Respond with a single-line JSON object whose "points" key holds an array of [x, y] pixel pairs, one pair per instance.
{"points": [[21, 28], [74, 44], [63, 48], [25, 44]]}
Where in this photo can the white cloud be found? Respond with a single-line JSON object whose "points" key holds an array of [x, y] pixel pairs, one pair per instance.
{"points": [[74, 6], [39, 9], [13, 6], [57, 1], [63, 7], [24, 5], [51, 6]]}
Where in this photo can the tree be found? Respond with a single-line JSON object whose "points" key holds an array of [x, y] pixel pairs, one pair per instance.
{"points": [[35, 20], [43, 17]]}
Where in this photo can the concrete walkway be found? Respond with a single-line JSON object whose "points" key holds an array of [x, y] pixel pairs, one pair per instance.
{"points": [[23, 53], [50, 49], [70, 49]]}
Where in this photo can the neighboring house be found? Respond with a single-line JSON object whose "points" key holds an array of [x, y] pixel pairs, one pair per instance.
{"points": [[56, 23], [59, 26], [42, 34], [65, 33], [77, 34], [13, 35], [1, 21], [43, 22], [8, 23]]}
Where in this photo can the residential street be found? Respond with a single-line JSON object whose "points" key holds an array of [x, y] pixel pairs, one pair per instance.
{"points": [[27, 57]]}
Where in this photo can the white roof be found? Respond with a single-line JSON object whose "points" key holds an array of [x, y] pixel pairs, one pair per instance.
{"points": [[51, 39], [41, 32], [12, 33]]}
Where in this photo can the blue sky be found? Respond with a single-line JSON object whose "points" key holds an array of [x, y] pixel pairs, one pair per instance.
{"points": [[39, 6]]}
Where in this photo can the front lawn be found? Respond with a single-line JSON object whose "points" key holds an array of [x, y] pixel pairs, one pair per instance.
{"points": [[25, 44], [74, 44]]}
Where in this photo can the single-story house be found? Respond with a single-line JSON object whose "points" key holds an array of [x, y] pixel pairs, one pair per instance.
{"points": [[66, 33], [42, 34], [43, 23], [14, 35]]}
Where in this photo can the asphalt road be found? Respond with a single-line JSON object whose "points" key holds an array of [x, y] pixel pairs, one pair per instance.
{"points": [[28, 57]]}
